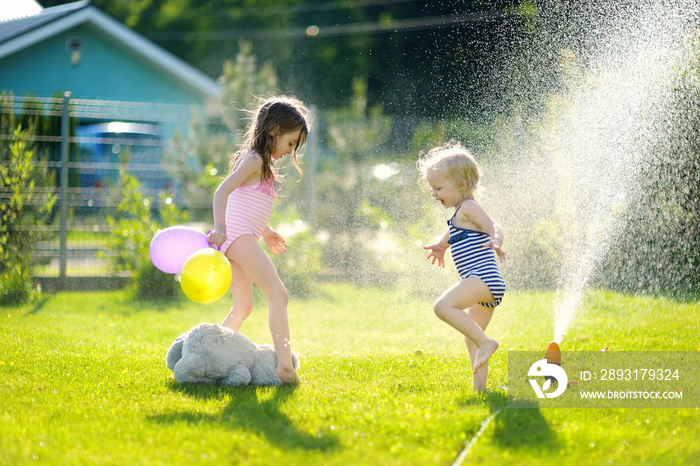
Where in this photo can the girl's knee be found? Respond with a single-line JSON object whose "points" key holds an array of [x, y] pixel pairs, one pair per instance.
{"points": [[440, 308], [241, 310], [278, 294]]}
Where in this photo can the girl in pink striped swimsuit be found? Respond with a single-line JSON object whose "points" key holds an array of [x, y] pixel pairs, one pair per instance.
{"points": [[242, 206]]}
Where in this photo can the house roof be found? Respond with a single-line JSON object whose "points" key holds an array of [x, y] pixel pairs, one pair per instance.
{"points": [[18, 34]]}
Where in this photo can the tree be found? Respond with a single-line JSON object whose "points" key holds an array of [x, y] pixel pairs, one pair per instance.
{"points": [[421, 58], [209, 146]]}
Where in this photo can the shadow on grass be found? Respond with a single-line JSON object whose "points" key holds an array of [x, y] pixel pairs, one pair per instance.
{"points": [[38, 305], [139, 304], [516, 428], [255, 409]]}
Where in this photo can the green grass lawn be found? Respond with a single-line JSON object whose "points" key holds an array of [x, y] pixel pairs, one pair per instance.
{"points": [[83, 381]]}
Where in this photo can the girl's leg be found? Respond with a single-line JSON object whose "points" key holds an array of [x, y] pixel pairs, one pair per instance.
{"points": [[450, 306], [242, 290], [256, 264], [482, 316]]}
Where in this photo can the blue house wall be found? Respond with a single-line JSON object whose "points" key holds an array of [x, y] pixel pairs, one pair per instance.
{"points": [[106, 71]]}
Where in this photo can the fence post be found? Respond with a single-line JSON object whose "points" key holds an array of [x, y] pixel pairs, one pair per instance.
{"points": [[63, 202], [312, 157]]}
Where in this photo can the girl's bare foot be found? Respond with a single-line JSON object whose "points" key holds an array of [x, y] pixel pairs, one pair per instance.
{"points": [[287, 375], [483, 353]]}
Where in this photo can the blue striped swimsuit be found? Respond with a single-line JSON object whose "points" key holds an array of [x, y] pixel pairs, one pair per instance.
{"points": [[474, 260]]}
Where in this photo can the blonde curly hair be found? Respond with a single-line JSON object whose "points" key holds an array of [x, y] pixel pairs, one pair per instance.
{"points": [[457, 164]]}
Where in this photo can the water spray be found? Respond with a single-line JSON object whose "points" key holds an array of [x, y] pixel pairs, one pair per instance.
{"points": [[596, 140]]}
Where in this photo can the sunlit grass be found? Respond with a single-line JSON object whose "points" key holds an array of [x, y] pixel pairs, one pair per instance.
{"points": [[84, 382], [75, 269]]}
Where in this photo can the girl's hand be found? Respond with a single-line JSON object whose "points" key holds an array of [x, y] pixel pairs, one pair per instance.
{"points": [[274, 241], [437, 253], [497, 248], [216, 238]]}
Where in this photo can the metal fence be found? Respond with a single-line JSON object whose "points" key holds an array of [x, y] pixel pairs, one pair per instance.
{"points": [[85, 145]]}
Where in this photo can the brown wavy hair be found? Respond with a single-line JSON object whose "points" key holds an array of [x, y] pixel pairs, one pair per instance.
{"points": [[278, 115]]}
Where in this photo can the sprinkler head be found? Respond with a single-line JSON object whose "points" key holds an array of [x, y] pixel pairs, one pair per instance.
{"points": [[553, 356]]}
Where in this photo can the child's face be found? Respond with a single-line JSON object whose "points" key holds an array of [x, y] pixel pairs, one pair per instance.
{"points": [[442, 189], [285, 143]]}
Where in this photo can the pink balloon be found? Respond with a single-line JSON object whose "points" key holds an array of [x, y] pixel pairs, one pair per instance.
{"points": [[171, 247]]}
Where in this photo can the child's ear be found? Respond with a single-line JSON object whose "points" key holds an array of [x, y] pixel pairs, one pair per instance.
{"points": [[274, 131]]}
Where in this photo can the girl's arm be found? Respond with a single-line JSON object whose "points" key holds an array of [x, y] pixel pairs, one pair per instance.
{"points": [[248, 168], [472, 213], [274, 241], [437, 251], [496, 242]]}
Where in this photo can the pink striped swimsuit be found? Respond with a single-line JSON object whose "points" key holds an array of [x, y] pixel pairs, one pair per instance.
{"points": [[248, 211]]}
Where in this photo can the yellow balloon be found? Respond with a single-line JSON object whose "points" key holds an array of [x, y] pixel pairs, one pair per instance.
{"points": [[205, 276]]}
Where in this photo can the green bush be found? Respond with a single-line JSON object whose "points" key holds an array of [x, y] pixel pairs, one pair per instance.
{"points": [[22, 209], [132, 229], [152, 283], [15, 286]]}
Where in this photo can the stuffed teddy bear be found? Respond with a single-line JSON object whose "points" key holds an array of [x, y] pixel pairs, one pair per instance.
{"points": [[210, 353]]}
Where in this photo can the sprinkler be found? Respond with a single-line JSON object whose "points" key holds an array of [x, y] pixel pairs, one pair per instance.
{"points": [[553, 356]]}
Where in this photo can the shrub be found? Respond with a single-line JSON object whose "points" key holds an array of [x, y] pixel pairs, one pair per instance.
{"points": [[22, 209], [132, 229], [151, 283]]}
